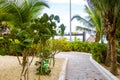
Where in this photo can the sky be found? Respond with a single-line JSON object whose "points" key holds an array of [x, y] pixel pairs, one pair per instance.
{"points": [[61, 8]]}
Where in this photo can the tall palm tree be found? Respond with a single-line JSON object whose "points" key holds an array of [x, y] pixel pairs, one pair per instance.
{"points": [[92, 24], [109, 11]]}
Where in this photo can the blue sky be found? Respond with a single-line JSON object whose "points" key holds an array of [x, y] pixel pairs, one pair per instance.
{"points": [[61, 8]]}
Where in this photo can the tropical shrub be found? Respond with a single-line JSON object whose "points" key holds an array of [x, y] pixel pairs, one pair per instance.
{"points": [[2, 51], [81, 46], [67, 46], [62, 44], [55, 45], [118, 52], [98, 52], [118, 58], [45, 27]]}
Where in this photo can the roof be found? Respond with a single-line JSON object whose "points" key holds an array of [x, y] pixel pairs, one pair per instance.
{"points": [[91, 39]]}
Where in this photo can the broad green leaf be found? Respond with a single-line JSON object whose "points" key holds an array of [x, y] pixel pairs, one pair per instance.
{"points": [[57, 18], [28, 40], [17, 41], [1, 37]]}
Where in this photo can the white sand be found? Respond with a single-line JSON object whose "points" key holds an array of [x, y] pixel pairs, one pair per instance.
{"points": [[10, 69]]}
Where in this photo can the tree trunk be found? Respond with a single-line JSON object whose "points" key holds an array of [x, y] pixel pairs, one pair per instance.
{"points": [[25, 66], [113, 57], [97, 39], [108, 56]]}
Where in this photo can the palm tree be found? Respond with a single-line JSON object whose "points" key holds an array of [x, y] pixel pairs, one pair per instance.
{"points": [[22, 12], [109, 11], [92, 24], [19, 14]]}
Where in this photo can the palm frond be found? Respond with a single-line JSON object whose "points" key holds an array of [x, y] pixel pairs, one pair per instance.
{"points": [[36, 6], [23, 12], [84, 29], [95, 18], [82, 20]]}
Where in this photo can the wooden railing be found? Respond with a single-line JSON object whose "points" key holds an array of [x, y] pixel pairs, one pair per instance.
{"points": [[75, 34]]}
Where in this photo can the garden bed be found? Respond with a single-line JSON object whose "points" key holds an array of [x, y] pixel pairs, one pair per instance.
{"points": [[10, 69], [108, 68]]}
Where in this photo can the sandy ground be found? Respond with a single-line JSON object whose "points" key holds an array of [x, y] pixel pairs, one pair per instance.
{"points": [[10, 69], [108, 68]]}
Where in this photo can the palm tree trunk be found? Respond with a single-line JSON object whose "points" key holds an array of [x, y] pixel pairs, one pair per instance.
{"points": [[113, 57], [108, 56], [97, 39]]}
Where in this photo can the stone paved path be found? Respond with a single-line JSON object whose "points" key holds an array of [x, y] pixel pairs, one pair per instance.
{"points": [[80, 67]]}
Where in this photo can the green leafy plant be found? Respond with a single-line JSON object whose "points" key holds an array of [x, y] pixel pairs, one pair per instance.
{"points": [[98, 50], [2, 51], [19, 15], [4, 38], [45, 27], [67, 46], [118, 54], [81, 46]]}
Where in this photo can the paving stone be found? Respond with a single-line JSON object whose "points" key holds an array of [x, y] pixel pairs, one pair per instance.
{"points": [[80, 67]]}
